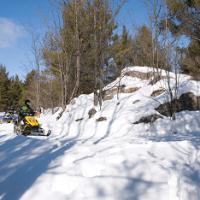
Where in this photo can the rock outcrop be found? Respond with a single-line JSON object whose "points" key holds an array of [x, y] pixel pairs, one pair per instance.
{"points": [[77, 120], [157, 93], [91, 113], [109, 94], [101, 119], [187, 101], [136, 101], [140, 75], [149, 119]]}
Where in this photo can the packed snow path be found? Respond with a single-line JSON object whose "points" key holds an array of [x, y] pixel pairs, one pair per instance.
{"points": [[109, 160]]}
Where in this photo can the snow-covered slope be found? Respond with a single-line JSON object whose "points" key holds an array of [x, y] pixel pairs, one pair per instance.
{"points": [[112, 159]]}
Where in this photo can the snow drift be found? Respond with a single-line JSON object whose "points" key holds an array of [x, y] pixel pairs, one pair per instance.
{"points": [[112, 159]]}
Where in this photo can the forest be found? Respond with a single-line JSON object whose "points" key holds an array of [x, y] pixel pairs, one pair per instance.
{"points": [[82, 50]]}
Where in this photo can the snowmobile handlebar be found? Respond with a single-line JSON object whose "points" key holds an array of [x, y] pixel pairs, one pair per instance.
{"points": [[27, 113]]}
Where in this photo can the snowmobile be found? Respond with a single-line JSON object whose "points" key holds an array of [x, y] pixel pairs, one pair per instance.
{"points": [[29, 125], [7, 118]]}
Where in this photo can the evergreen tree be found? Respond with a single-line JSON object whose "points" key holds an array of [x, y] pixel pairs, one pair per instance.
{"points": [[15, 92], [184, 18], [4, 86], [78, 51], [143, 47], [102, 26], [29, 91], [190, 62], [122, 52]]}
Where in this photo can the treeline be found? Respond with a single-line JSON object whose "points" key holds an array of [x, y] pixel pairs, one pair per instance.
{"points": [[11, 90], [82, 50]]}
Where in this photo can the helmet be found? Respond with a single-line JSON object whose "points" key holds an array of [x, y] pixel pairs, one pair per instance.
{"points": [[11, 107], [27, 103]]}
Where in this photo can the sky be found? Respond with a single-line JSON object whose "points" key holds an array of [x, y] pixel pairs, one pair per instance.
{"points": [[15, 42]]}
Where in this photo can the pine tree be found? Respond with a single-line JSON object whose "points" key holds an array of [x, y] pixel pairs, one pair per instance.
{"points": [[15, 92], [4, 86], [143, 47], [184, 17], [122, 51], [190, 62], [77, 47], [102, 25], [29, 91]]}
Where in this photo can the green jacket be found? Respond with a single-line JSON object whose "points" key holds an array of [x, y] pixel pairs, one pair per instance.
{"points": [[25, 109]]}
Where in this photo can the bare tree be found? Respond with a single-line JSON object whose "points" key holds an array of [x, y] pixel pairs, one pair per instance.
{"points": [[36, 50]]}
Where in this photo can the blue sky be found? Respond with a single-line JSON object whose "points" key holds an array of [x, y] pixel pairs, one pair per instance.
{"points": [[15, 41]]}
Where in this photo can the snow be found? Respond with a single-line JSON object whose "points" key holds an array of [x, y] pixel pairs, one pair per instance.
{"points": [[110, 160]]}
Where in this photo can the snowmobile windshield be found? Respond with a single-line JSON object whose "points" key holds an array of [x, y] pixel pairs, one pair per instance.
{"points": [[27, 113]]}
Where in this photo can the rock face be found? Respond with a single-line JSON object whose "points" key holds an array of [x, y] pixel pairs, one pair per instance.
{"points": [[157, 93], [79, 119], [92, 112], [109, 94], [155, 80], [130, 90], [149, 119], [101, 119], [140, 75], [187, 101], [136, 101]]}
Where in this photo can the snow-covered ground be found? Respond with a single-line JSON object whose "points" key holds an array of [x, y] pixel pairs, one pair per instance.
{"points": [[109, 160]]}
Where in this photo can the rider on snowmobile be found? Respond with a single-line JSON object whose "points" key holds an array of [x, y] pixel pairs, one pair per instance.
{"points": [[11, 110], [24, 108], [27, 123]]}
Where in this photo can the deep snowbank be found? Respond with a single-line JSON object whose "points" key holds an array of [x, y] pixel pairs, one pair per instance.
{"points": [[110, 160]]}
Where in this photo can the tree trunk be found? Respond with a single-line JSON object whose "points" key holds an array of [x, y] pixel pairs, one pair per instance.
{"points": [[61, 82], [66, 79], [51, 90], [96, 57], [78, 52]]}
